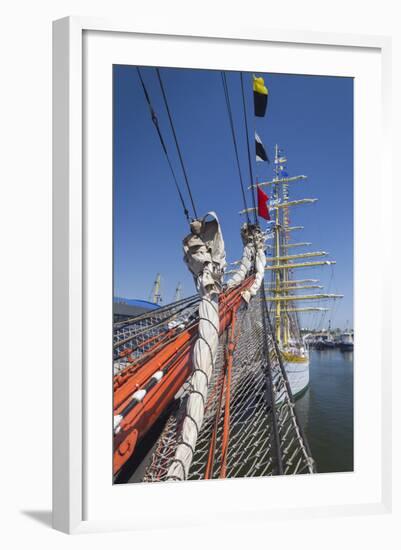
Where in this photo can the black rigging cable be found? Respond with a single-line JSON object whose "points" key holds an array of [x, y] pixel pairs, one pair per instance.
{"points": [[156, 124], [248, 147], [176, 141], [230, 117]]}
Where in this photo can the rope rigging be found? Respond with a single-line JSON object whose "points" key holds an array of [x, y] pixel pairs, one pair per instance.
{"points": [[248, 146], [230, 117], [299, 428], [250, 426], [156, 124], [176, 141], [265, 313]]}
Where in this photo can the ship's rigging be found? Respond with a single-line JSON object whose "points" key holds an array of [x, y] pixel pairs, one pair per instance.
{"points": [[212, 368]]}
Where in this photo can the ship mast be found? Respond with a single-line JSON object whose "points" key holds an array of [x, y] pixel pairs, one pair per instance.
{"points": [[280, 276], [283, 289], [281, 264]]}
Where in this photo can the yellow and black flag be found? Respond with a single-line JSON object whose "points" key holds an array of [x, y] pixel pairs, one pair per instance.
{"points": [[260, 96]]}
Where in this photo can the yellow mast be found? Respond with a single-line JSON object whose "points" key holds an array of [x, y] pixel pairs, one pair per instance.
{"points": [[281, 262], [281, 287]]}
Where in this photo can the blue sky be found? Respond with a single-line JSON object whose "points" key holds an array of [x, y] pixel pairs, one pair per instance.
{"points": [[310, 117]]}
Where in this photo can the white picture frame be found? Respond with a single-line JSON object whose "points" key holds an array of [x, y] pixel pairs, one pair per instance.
{"points": [[70, 258]]}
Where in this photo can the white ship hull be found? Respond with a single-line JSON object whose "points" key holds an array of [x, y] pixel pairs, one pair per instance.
{"points": [[298, 376]]}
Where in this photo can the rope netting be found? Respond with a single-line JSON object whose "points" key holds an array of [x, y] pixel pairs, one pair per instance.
{"points": [[250, 427]]}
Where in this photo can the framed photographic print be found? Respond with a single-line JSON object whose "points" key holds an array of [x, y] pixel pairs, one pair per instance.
{"points": [[213, 238]]}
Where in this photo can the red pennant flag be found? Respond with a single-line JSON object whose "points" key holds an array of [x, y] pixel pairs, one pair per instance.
{"points": [[263, 210]]}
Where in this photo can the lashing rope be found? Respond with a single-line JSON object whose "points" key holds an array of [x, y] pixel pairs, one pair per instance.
{"points": [[264, 314], [230, 117], [226, 422], [176, 141], [156, 124], [248, 147]]}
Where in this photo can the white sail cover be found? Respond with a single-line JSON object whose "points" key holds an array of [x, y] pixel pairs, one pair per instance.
{"points": [[247, 259], [204, 254], [253, 253], [258, 239]]}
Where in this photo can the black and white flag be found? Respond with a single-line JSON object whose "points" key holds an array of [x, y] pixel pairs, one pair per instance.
{"points": [[261, 154]]}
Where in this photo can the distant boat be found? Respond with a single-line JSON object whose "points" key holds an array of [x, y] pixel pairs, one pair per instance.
{"points": [[324, 341], [346, 341]]}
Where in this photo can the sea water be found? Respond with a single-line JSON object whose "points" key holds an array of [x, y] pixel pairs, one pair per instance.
{"points": [[326, 410]]}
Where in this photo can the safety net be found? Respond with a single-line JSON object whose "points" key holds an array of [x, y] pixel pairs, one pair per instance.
{"points": [[250, 427]]}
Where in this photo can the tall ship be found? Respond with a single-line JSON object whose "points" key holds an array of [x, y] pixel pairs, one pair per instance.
{"points": [[283, 287], [205, 387]]}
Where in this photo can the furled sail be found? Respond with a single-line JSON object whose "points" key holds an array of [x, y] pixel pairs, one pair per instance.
{"points": [[204, 255]]}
